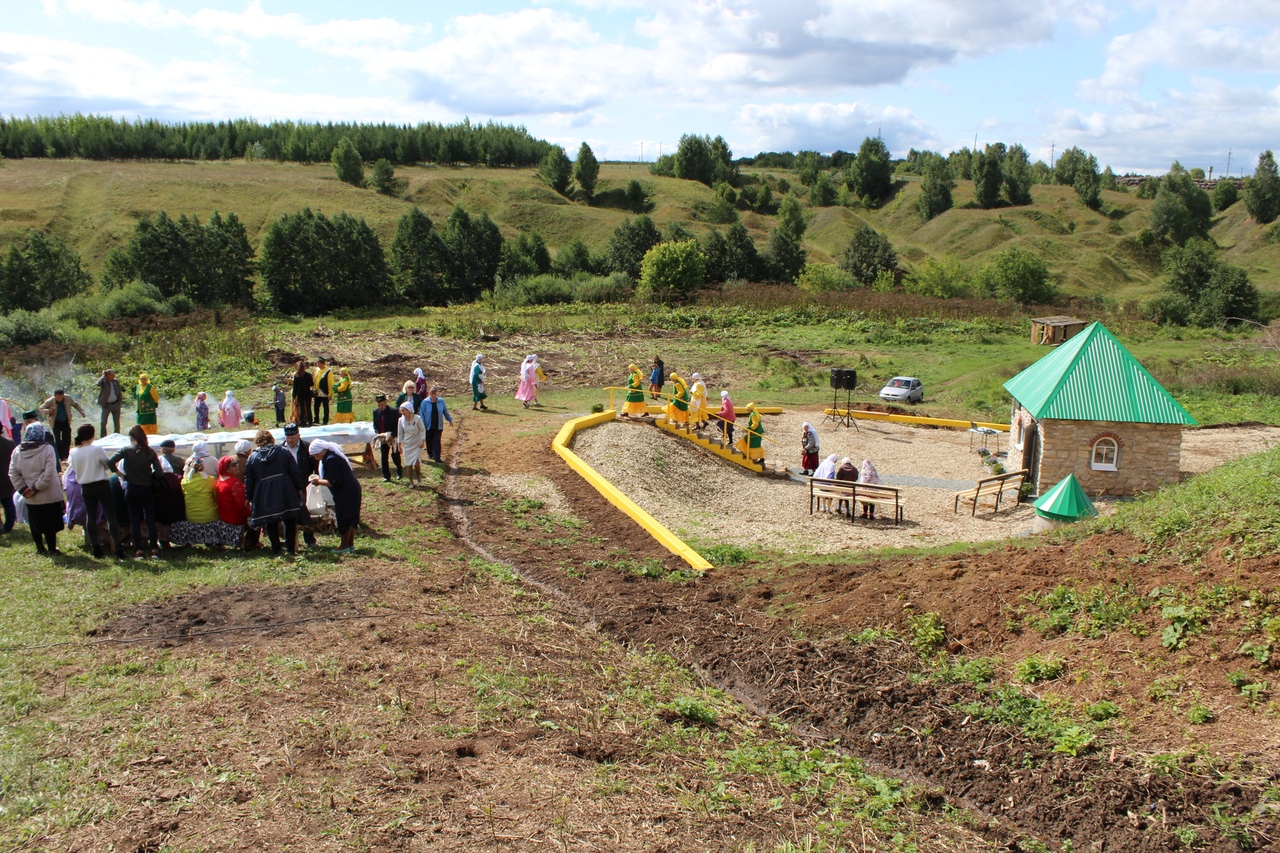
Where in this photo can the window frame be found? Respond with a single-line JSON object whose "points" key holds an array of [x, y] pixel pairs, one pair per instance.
{"points": [[1114, 464]]}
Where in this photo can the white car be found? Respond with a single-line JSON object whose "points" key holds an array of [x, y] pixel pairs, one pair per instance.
{"points": [[903, 389]]}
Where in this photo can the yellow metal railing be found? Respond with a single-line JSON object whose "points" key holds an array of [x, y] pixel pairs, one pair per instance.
{"points": [[737, 425]]}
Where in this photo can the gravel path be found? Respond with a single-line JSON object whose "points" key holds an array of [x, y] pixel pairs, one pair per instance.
{"points": [[706, 499]]}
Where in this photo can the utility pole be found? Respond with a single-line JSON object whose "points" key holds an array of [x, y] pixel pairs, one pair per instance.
{"points": [[1228, 162], [1052, 149], [642, 151]]}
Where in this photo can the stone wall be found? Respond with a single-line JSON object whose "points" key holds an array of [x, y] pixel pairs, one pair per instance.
{"points": [[1149, 456]]}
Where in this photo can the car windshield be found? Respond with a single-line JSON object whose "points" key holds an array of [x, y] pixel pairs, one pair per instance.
{"points": [[899, 383]]}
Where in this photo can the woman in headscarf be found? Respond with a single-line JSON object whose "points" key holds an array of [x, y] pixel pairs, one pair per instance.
{"points": [[142, 471], [678, 408], [808, 448], [635, 405], [727, 418], [202, 526], [411, 434], [33, 468], [848, 472], [527, 391], [200, 450], [229, 415], [871, 477], [476, 378], [148, 400], [826, 471], [698, 414], [419, 382], [343, 398], [751, 445], [202, 412], [336, 473], [242, 450], [233, 508], [274, 485]]}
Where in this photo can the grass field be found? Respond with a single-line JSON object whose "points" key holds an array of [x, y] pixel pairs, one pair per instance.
{"points": [[94, 206]]}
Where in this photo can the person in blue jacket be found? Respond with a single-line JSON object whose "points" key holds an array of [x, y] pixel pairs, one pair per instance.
{"points": [[434, 414]]}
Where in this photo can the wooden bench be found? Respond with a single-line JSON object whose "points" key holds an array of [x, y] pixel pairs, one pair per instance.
{"points": [[992, 487], [853, 491]]}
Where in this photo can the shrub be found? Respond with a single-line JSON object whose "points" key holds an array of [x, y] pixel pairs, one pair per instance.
{"points": [[135, 299], [616, 287], [942, 278], [531, 290], [179, 303], [81, 310], [23, 328], [820, 278], [1017, 274], [693, 711], [672, 272], [1036, 668]]}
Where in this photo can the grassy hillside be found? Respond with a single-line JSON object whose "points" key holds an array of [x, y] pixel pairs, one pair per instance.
{"points": [[94, 205]]}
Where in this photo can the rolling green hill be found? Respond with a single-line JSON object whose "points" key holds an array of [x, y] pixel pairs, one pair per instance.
{"points": [[94, 205]]}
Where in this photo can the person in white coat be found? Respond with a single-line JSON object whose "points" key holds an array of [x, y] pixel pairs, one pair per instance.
{"points": [[411, 435]]}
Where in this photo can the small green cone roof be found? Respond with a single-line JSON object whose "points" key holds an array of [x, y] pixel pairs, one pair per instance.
{"points": [[1065, 501], [1092, 377]]}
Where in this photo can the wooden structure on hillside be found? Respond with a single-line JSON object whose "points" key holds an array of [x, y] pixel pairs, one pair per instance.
{"points": [[1055, 330]]}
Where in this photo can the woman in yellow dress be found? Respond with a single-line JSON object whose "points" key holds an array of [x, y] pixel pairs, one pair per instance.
{"points": [[698, 414], [343, 398], [148, 401], [635, 406], [678, 408], [751, 445]]}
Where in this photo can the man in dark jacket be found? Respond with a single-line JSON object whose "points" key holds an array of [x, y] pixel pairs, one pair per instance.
{"points": [[274, 487], [301, 452], [109, 400], [386, 420], [6, 485]]}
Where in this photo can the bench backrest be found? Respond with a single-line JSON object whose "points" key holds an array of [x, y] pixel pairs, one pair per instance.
{"points": [[1001, 481]]}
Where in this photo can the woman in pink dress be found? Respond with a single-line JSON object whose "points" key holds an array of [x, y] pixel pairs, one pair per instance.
{"points": [[229, 416], [527, 392]]}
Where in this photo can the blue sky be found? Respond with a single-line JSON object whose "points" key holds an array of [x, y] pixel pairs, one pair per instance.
{"points": [[1138, 83]]}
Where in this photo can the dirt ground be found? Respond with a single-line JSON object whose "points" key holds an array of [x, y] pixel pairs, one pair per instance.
{"points": [[497, 667]]}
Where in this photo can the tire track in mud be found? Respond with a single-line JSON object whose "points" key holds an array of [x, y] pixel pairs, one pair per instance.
{"points": [[869, 699]]}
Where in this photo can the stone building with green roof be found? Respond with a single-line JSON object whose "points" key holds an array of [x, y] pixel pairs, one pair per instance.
{"points": [[1089, 408]]}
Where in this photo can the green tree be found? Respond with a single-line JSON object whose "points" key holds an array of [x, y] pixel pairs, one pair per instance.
{"points": [[574, 258], [637, 201], [161, 254], [1068, 166], [987, 177], [586, 169], [935, 189], [867, 255], [1262, 193], [694, 161], [1225, 193], [1016, 274], [872, 172], [55, 270], [527, 255], [556, 169], [1108, 181], [17, 281], [672, 273], [715, 250], [346, 162], [1016, 171], [475, 252], [1189, 267], [786, 254], [943, 278], [742, 259], [822, 193], [1088, 184], [629, 243], [419, 260], [821, 278], [1215, 292], [384, 178]]}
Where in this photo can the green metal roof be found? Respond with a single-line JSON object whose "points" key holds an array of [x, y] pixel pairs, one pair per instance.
{"points": [[1065, 501], [1092, 377]]}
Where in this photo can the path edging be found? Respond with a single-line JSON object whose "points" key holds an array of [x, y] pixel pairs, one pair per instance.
{"points": [[668, 540]]}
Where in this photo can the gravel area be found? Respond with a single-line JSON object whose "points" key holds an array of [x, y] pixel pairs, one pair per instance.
{"points": [[706, 499]]}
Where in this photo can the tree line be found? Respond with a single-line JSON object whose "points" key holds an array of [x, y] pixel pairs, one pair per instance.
{"points": [[93, 137]]}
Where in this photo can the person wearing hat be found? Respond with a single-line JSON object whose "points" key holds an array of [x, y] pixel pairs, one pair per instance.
{"points": [[169, 452], [386, 421], [300, 450], [109, 396], [849, 473], [343, 398], [751, 444], [698, 414], [148, 400], [30, 417], [324, 390], [58, 410], [275, 487], [635, 405], [33, 470]]}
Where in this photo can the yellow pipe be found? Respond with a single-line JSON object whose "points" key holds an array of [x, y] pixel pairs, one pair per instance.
{"points": [[913, 419], [665, 537], [764, 410]]}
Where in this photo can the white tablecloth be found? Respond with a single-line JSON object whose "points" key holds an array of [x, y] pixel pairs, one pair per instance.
{"points": [[223, 443]]}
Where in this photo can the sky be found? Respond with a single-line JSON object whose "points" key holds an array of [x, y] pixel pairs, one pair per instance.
{"points": [[1138, 83]]}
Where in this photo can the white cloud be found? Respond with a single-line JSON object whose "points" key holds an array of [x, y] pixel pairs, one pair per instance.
{"points": [[826, 127]]}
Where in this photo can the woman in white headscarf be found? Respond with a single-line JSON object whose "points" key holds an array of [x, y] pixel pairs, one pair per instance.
{"points": [[229, 416], [411, 435], [826, 471], [808, 448], [698, 414], [419, 382], [527, 392], [476, 378], [871, 477], [727, 418], [336, 473], [200, 450]]}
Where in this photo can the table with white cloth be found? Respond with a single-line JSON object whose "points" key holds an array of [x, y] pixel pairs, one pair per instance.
{"points": [[357, 436]]}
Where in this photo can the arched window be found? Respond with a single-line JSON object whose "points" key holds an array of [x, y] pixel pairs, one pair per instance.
{"points": [[1106, 452]]}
